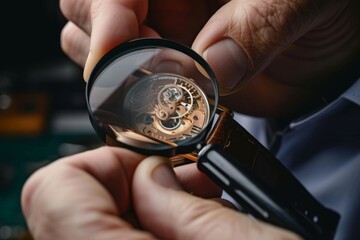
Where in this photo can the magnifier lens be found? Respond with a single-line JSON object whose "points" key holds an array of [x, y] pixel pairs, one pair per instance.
{"points": [[152, 95]]}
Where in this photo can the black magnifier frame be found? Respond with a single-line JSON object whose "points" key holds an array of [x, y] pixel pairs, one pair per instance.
{"points": [[182, 147]]}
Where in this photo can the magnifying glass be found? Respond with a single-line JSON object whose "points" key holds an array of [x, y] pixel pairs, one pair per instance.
{"points": [[153, 96]]}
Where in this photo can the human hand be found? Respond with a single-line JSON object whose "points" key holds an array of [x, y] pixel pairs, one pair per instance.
{"points": [[112, 193], [297, 46]]}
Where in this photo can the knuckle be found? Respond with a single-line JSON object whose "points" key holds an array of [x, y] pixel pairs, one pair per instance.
{"points": [[65, 37], [76, 10], [270, 25], [74, 43], [42, 210], [66, 7]]}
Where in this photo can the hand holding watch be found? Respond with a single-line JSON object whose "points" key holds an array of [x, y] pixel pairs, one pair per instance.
{"points": [[156, 96]]}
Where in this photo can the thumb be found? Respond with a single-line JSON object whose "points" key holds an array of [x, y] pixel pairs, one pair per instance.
{"points": [[170, 213], [242, 38]]}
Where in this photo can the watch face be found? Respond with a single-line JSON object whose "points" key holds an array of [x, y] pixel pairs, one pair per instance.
{"points": [[152, 95], [168, 107]]}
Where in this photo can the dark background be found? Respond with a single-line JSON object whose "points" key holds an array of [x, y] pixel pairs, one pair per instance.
{"points": [[43, 112]]}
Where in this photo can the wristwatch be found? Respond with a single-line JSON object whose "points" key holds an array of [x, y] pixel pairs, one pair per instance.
{"points": [[158, 97], [155, 96]]}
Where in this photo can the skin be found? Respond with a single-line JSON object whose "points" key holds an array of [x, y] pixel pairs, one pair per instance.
{"points": [[283, 57], [290, 53], [128, 196]]}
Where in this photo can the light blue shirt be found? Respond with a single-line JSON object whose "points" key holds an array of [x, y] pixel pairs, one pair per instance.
{"points": [[323, 151]]}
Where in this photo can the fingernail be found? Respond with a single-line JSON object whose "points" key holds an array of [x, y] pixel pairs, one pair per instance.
{"points": [[165, 176], [229, 62], [88, 67]]}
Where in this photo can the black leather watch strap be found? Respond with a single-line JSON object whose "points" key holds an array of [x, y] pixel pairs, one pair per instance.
{"points": [[281, 185], [238, 142]]}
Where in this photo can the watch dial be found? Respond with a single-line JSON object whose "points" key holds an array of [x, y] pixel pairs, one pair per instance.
{"points": [[154, 96], [166, 107]]}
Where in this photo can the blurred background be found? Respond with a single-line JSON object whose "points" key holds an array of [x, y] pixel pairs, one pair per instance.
{"points": [[43, 112]]}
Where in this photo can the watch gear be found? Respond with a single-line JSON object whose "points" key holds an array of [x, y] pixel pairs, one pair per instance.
{"points": [[167, 107]]}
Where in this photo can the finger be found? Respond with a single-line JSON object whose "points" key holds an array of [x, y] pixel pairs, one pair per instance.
{"points": [[113, 168], [146, 31], [75, 43], [109, 166], [82, 196], [247, 35], [113, 22], [78, 12], [171, 213], [195, 182]]}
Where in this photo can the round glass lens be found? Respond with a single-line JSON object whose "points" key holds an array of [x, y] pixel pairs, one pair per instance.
{"points": [[153, 95]]}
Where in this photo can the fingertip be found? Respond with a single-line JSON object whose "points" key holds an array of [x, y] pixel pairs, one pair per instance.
{"points": [[75, 43], [219, 43], [230, 63], [113, 22]]}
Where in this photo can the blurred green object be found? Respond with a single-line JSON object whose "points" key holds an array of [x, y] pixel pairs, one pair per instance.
{"points": [[20, 157]]}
